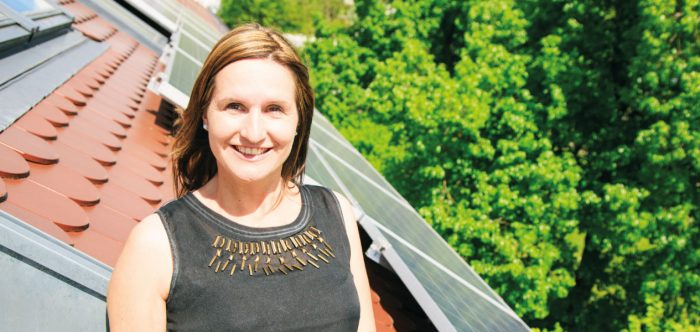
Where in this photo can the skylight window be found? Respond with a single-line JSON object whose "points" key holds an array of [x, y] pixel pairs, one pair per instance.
{"points": [[28, 7], [21, 22]]}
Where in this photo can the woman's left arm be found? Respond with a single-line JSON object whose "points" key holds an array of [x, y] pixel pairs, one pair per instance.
{"points": [[357, 266]]}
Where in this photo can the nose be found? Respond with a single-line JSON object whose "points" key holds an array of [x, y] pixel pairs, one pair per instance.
{"points": [[253, 130]]}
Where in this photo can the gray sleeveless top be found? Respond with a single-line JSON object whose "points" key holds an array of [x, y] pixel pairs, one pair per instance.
{"points": [[230, 277]]}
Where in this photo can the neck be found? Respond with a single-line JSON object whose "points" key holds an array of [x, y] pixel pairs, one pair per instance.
{"points": [[246, 201]]}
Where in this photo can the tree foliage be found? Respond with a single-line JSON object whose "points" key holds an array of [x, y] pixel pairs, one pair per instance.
{"points": [[554, 144], [293, 16]]}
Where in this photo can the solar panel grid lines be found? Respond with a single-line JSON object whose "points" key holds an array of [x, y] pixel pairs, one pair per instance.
{"points": [[316, 169], [189, 44], [346, 151], [332, 174], [404, 221], [327, 151], [182, 73], [497, 301], [194, 23], [465, 309], [321, 123]]}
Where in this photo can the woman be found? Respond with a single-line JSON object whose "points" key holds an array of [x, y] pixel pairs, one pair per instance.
{"points": [[245, 246]]}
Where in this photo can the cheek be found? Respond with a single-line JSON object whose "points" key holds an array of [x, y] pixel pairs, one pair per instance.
{"points": [[283, 132]]}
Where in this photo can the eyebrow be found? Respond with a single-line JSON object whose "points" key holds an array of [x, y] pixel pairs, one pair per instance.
{"points": [[267, 102]]}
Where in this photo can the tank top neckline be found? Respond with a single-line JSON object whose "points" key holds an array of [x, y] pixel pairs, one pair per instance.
{"points": [[299, 223]]}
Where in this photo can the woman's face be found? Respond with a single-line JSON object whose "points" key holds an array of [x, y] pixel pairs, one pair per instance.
{"points": [[252, 119]]}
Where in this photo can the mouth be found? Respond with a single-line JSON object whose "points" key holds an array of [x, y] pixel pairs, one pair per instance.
{"points": [[251, 153]]}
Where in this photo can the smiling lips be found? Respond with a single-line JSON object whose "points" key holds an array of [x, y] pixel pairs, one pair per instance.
{"points": [[250, 151]]}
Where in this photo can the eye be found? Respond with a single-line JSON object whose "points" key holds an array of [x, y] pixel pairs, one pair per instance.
{"points": [[275, 108], [234, 106]]}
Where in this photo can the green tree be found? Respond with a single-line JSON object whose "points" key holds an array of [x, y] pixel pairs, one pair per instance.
{"points": [[298, 16], [556, 144], [484, 177]]}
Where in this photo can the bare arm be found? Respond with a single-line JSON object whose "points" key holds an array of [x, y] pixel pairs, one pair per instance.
{"points": [[357, 266], [141, 279]]}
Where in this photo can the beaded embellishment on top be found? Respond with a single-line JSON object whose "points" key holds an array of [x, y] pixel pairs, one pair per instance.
{"points": [[285, 255]]}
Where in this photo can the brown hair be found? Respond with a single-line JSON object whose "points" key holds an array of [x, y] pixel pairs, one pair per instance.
{"points": [[193, 162]]}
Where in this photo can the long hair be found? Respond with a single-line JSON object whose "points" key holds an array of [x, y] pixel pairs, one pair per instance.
{"points": [[193, 162]]}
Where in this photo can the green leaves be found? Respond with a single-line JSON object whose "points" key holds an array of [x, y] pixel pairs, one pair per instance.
{"points": [[556, 144]]}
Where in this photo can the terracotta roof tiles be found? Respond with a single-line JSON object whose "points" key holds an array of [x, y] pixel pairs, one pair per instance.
{"points": [[13, 165], [47, 203], [52, 114], [81, 163], [3, 191], [40, 222], [31, 147], [37, 125]]}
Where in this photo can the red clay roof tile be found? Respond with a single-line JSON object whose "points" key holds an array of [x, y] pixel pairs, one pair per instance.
{"points": [[40, 222], [98, 134], [81, 12], [144, 154], [12, 165], [104, 100], [109, 222], [51, 113], [47, 203], [97, 245], [141, 168], [81, 163], [134, 183], [72, 95], [62, 104], [80, 86], [32, 148], [66, 182], [101, 121], [151, 102], [119, 199], [105, 110], [35, 124], [3, 191], [83, 143]]}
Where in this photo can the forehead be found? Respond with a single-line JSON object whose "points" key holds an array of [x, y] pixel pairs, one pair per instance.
{"points": [[255, 79]]}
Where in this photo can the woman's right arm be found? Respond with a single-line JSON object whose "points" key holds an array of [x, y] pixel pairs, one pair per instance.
{"points": [[141, 279]]}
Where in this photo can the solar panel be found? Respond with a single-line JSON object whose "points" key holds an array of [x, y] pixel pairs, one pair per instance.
{"points": [[435, 266], [179, 78], [191, 45], [192, 40], [200, 28], [334, 141], [400, 218]]}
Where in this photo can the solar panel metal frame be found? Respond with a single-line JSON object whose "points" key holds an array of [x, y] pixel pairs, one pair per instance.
{"points": [[154, 14]]}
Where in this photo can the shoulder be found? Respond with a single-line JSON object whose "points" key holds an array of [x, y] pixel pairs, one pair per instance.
{"points": [[147, 255], [149, 233], [140, 280], [334, 198]]}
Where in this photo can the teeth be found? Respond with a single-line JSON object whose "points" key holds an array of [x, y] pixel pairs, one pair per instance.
{"points": [[252, 151]]}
